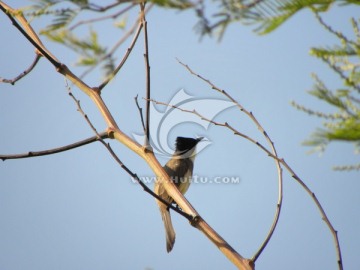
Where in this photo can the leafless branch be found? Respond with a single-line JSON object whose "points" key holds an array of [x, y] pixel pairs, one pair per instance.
{"points": [[278, 161], [321, 210], [97, 8], [24, 73], [141, 114], [103, 135], [111, 16], [135, 27], [115, 132], [262, 147], [117, 159], [147, 72], [128, 51], [145, 187], [273, 153]]}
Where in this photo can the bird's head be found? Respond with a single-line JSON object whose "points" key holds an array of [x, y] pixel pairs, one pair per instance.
{"points": [[185, 147]]}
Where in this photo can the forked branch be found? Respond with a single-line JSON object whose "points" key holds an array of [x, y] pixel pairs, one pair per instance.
{"points": [[100, 137], [115, 133]]}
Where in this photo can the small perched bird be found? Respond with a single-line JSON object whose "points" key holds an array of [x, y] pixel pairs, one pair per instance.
{"points": [[180, 169]]}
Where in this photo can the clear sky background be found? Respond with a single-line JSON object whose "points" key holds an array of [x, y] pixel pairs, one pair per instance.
{"points": [[80, 210]]}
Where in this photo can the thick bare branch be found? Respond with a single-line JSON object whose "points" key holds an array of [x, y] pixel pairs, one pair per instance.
{"points": [[100, 137], [145, 153]]}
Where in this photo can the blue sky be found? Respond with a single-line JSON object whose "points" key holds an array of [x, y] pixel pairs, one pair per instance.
{"points": [[79, 210]]}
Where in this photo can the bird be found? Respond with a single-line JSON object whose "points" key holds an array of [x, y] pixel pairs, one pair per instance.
{"points": [[180, 169]]}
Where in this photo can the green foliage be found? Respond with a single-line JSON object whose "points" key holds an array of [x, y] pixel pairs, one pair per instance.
{"points": [[271, 14], [176, 4], [268, 15], [64, 18], [344, 123], [88, 48], [213, 18], [64, 23]]}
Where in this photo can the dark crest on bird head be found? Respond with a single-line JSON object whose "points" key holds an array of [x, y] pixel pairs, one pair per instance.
{"points": [[184, 144]]}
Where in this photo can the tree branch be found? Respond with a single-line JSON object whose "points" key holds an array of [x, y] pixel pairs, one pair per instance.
{"points": [[141, 114], [103, 135], [146, 154], [273, 152], [117, 44], [112, 16], [147, 71], [122, 62], [97, 8], [24, 73], [278, 162], [100, 138]]}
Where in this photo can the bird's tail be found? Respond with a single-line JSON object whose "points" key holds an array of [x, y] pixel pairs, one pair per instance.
{"points": [[169, 230]]}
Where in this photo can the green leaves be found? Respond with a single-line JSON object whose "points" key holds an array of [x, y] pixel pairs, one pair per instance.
{"points": [[66, 19], [63, 19], [272, 14], [267, 15], [344, 123], [176, 4], [88, 48]]}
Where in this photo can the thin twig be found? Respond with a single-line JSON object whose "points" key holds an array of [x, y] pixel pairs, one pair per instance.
{"points": [[354, 167], [103, 135], [145, 187], [269, 153], [141, 114], [34, 39], [147, 71], [117, 159], [148, 156], [342, 75], [334, 32], [112, 16], [273, 153], [24, 73], [97, 8], [136, 26], [339, 35], [122, 62], [282, 162], [321, 209]]}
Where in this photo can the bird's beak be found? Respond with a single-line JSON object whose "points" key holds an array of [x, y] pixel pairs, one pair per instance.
{"points": [[199, 139]]}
